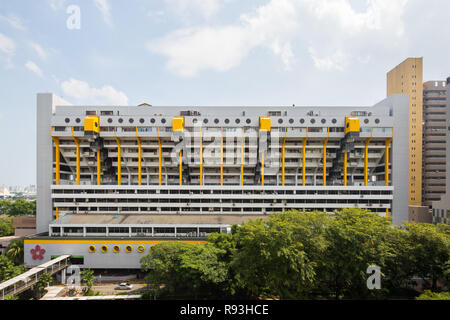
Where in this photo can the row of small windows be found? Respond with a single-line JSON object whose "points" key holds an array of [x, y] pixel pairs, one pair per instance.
{"points": [[226, 121]]}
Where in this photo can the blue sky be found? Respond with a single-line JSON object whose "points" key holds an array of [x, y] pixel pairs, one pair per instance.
{"points": [[204, 52]]}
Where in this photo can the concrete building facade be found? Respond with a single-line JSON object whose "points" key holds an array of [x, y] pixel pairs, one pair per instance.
{"points": [[113, 181], [441, 208], [406, 78], [434, 141]]}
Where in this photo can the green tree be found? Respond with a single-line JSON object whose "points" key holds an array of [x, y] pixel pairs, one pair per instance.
{"points": [[22, 208], [8, 270], [277, 257], [15, 252], [183, 268], [45, 280], [6, 226], [357, 239], [428, 295], [87, 277], [429, 250]]}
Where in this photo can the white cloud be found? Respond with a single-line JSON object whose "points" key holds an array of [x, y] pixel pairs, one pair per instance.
{"points": [[8, 48], [204, 8], [14, 21], [324, 27], [56, 4], [41, 52], [30, 65], [83, 93], [105, 9], [7, 45], [337, 61]]}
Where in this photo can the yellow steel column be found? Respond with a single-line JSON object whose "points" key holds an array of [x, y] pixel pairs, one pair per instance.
{"points": [[139, 158], [56, 213], [181, 168], [221, 156], [262, 168], [304, 159], [119, 159], [345, 168], [386, 161], [160, 154], [201, 158], [77, 142], [242, 158], [57, 157], [98, 169], [366, 159], [283, 157], [325, 159]]}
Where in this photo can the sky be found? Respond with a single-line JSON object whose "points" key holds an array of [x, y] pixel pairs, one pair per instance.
{"points": [[203, 53]]}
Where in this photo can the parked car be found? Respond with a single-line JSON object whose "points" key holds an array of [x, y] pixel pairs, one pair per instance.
{"points": [[124, 286]]}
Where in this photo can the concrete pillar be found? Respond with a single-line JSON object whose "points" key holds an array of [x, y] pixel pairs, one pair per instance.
{"points": [[63, 276]]}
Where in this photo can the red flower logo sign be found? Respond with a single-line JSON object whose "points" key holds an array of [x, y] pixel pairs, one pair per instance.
{"points": [[37, 252]]}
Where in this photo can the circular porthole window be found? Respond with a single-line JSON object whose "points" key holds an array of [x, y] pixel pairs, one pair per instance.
{"points": [[377, 121], [227, 121], [92, 249], [333, 121], [302, 120], [163, 120], [67, 120], [205, 121], [140, 249], [248, 121], [78, 120], [194, 120], [128, 249], [109, 120], [141, 120], [291, 121], [366, 121], [104, 249], [280, 121], [216, 121], [152, 120], [120, 120], [313, 121], [116, 248], [237, 121], [131, 120], [323, 120]]}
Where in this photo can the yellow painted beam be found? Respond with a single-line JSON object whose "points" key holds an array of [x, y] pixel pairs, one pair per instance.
{"points": [[77, 142], [386, 161], [345, 168], [99, 173], [242, 158], [119, 159], [366, 159], [201, 157], [139, 158], [262, 168], [304, 159], [221, 156], [325, 159], [123, 242], [57, 158], [160, 159], [181, 168], [283, 157]]}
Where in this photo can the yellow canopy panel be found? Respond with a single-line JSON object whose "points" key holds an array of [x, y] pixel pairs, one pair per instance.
{"points": [[264, 124], [178, 124], [91, 124], [351, 125]]}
